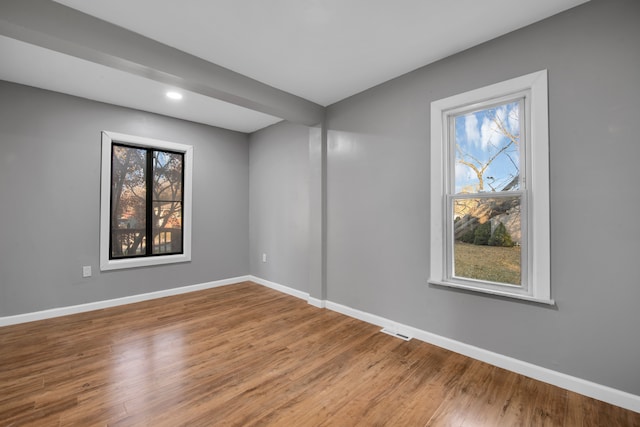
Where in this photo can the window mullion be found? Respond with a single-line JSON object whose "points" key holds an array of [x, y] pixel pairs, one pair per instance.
{"points": [[149, 203]]}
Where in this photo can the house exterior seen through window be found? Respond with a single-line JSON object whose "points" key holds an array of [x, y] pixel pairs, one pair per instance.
{"points": [[489, 201], [146, 198], [486, 194]]}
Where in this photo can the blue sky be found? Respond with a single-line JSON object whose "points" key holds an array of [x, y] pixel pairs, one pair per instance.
{"points": [[479, 137]]}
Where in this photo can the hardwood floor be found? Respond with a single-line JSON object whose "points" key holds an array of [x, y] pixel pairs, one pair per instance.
{"points": [[247, 355]]}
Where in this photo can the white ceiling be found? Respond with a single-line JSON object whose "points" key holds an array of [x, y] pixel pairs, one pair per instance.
{"points": [[321, 50]]}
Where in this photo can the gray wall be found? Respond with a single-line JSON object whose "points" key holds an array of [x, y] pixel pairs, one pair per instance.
{"points": [[378, 192], [50, 205], [377, 199], [279, 212]]}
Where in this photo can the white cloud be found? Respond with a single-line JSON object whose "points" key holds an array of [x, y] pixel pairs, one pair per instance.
{"points": [[471, 129], [501, 113], [514, 120], [488, 132]]}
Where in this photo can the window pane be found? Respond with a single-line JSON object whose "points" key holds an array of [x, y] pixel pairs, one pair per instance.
{"points": [[487, 237], [167, 176], [128, 201], [487, 149], [167, 202], [167, 227]]}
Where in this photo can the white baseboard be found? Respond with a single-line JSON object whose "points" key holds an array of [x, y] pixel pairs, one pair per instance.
{"points": [[567, 382], [320, 303], [278, 287], [287, 290], [63, 311]]}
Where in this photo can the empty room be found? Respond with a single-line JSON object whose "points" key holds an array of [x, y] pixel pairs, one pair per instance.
{"points": [[319, 213]]}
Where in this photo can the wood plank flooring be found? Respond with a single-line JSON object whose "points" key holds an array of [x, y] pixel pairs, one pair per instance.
{"points": [[246, 355]]}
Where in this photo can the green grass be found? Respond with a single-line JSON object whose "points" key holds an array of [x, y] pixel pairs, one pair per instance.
{"points": [[492, 263]]}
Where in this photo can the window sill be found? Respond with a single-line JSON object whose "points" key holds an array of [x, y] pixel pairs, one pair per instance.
{"points": [[493, 292], [117, 264]]}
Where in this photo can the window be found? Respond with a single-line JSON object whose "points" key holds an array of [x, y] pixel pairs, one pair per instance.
{"points": [[145, 202], [490, 190]]}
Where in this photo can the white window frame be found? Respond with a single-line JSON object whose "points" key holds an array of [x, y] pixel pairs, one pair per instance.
{"points": [[536, 254], [108, 139]]}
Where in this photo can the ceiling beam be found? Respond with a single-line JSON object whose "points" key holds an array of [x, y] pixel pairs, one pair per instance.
{"points": [[60, 28]]}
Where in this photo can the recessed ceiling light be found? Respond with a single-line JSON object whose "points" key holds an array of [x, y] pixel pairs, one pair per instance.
{"points": [[174, 95]]}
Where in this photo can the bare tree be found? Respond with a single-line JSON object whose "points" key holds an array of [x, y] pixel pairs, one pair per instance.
{"points": [[128, 177], [167, 188], [479, 166], [129, 202], [471, 212]]}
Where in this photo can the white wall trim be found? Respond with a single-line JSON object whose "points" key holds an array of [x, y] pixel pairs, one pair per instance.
{"points": [[568, 382], [108, 140], [536, 280], [320, 303], [290, 291], [81, 308], [281, 288]]}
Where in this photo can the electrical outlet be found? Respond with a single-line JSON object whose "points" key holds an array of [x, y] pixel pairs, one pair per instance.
{"points": [[86, 271], [264, 257]]}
